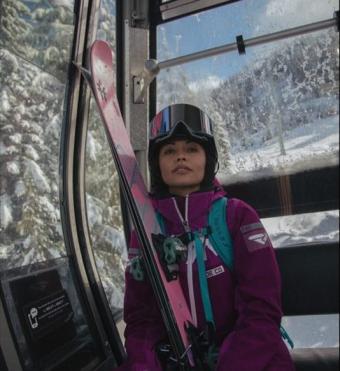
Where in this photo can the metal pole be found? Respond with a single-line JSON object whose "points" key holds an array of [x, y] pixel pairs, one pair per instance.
{"points": [[250, 42], [152, 67]]}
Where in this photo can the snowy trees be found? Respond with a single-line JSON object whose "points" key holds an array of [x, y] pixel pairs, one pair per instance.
{"points": [[31, 110], [289, 81], [39, 33], [103, 211], [30, 134], [12, 23], [283, 87], [102, 190], [35, 45]]}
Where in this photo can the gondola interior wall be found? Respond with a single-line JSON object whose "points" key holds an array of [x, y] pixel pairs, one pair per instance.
{"points": [[268, 75]]}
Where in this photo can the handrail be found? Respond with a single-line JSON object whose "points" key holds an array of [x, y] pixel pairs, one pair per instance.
{"points": [[296, 31], [152, 67]]}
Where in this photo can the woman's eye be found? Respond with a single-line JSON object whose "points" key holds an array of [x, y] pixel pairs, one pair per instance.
{"points": [[168, 151], [192, 149]]}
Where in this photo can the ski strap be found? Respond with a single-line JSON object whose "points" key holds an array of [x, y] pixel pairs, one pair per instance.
{"points": [[209, 317], [220, 236], [285, 336]]}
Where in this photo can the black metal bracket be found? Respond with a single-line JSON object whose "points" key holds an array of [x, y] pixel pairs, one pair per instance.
{"points": [[240, 44], [139, 14]]}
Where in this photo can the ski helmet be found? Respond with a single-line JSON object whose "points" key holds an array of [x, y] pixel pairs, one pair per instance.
{"points": [[175, 122]]}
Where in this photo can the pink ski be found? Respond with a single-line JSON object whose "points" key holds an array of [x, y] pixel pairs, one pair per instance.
{"points": [[176, 314]]}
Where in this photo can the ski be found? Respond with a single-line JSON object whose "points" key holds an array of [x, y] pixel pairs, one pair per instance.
{"points": [[171, 300]]}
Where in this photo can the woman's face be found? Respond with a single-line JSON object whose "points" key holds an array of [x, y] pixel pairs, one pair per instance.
{"points": [[182, 166]]}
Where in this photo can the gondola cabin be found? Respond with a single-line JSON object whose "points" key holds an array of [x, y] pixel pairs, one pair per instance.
{"points": [[265, 71]]}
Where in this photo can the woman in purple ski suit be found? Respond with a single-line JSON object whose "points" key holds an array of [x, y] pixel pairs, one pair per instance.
{"points": [[246, 300]]}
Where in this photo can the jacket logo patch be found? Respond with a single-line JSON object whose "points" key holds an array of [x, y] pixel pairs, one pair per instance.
{"points": [[256, 240], [215, 271], [259, 238]]}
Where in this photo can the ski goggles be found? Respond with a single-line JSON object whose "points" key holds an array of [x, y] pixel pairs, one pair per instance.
{"points": [[180, 118]]}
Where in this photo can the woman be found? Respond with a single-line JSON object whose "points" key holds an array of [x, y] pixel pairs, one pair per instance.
{"points": [[244, 298]]}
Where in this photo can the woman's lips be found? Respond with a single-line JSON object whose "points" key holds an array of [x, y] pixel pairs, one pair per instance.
{"points": [[181, 169]]}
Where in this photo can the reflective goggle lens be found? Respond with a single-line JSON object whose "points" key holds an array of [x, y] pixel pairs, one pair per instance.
{"points": [[192, 116]]}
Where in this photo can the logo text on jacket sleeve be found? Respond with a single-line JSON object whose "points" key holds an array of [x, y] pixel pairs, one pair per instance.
{"points": [[255, 236]]}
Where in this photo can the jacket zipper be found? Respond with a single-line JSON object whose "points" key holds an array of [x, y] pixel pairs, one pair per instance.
{"points": [[190, 259]]}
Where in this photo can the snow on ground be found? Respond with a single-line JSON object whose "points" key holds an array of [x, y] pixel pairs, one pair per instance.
{"points": [[303, 228], [313, 331], [312, 145]]}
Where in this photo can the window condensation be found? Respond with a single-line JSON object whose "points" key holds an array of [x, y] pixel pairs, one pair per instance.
{"points": [[35, 47]]}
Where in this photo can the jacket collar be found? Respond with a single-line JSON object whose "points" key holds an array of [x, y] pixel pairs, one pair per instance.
{"points": [[194, 211]]}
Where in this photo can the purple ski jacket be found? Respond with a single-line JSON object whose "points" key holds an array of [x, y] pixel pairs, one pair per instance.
{"points": [[246, 301]]}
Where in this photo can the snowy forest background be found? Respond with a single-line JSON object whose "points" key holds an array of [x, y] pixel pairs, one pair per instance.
{"points": [[279, 114]]}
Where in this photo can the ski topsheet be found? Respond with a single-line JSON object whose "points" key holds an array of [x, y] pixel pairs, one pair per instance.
{"points": [[173, 306]]}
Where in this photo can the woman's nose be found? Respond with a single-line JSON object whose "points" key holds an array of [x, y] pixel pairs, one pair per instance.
{"points": [[181, 156]]}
